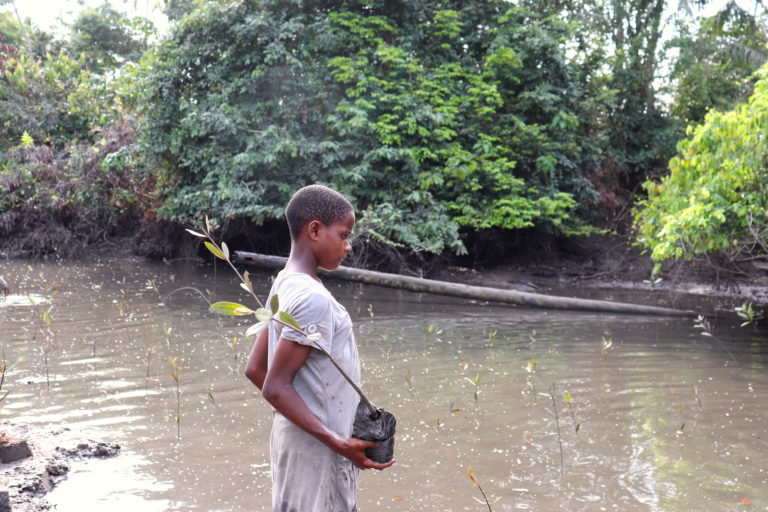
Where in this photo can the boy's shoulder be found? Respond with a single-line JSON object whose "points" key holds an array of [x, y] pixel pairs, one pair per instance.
{"points": [[295, 284]]}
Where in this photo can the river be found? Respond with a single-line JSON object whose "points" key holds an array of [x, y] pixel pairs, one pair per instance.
{"points": [[652, 413]]}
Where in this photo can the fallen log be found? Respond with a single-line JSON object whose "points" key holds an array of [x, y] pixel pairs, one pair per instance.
{"points": [[417, 284]]}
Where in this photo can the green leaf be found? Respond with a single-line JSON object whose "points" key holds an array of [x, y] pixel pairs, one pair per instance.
{"points": [[230, 309], [196, 233], [225, 251], [256, 328], [26, 140], [215, 250], [274, 304], [248, 284], [263, 315], [289, 320], [10, 368]]}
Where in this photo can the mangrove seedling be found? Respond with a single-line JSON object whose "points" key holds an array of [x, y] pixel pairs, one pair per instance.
{"points": [[236, 357], [264, 316], [209, 396], [473, 479], [5, 369], [605, 345], [681, 408], [148, 359], [569, 400], [476, 382], [695, 390], [175, 376], [748, 314], [557, 423], [168, 332], [432, 329], [531, 381], [408, 377], [704, 324], [44, 325]]}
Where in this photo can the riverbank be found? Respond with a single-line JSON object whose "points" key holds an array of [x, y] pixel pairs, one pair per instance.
{"points": [[586, 266], [610, 267], [34, 459]]}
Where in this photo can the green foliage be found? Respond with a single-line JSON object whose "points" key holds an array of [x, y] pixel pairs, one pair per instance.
{"points": [[21, 36], [87, 191], [715, 62], [105, 38], [716, 195], [428, 123], [177, 9], [34, 98], [641, 135]]}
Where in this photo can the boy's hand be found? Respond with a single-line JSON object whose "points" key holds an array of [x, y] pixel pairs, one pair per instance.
{"points": [[354, 450]]}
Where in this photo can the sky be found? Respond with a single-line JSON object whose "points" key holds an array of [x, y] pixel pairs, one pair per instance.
{"points": [[48, 14]]}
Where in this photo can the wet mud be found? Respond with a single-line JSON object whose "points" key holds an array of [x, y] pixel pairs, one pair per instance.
{"points": [[34, 460]]}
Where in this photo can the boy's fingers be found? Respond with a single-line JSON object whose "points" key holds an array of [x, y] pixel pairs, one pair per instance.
{"points": [[380, 465]]}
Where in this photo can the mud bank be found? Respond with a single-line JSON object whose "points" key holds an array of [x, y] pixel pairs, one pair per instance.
{"points": [[25, 481], [610, 267]]}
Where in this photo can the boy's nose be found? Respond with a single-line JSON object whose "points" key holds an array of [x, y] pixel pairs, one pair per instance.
{"points": [[347, 247]]}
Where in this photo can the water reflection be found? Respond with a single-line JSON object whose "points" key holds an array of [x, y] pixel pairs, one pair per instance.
{"points": [[468, 383]]}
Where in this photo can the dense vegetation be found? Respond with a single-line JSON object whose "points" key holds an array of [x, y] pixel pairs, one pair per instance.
{"points": [[441, 120], [715, 198]]}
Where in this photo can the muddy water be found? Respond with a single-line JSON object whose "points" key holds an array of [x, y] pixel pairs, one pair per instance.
{"points": [[669, 420]]}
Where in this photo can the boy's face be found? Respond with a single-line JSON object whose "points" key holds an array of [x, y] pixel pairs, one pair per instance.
{"points": [[333, 242]]}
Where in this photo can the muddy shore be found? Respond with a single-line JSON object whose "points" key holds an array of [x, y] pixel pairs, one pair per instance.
{"points": [[597, 266], [609, 267], [34, 459]]}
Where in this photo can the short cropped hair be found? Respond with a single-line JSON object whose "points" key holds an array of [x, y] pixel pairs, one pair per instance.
{"points": [[315, 202]]}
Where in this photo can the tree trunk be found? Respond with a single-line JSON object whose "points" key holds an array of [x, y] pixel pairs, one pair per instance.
{"points": [[417, 284], [24, 34]]}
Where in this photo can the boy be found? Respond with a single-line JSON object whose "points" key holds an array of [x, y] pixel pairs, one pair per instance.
{"points": [[314, 461]]}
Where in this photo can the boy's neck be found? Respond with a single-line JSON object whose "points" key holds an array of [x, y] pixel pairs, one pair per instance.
{"points": [[302, 260]]}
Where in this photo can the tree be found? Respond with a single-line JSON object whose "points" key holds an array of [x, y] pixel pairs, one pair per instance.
{"points": [[431, 115], [177, 9], [715, 62], [103, 36], [715, 198], [21, 26], [34, 99]]}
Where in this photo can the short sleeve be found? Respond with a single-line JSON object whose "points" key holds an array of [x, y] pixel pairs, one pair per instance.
{"points": [[313, 313]]}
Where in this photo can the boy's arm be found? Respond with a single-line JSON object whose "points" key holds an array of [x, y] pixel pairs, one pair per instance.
{"points": [[256, 369], [278, 390]]}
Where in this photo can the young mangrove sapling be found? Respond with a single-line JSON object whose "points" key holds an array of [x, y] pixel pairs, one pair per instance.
{"points": [[557, 422], [473, 479]]}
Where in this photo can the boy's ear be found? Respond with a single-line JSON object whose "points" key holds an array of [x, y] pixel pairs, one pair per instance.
{"points": [[313, 229]]}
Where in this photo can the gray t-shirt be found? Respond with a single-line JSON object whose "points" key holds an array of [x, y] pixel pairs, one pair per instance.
{"points": [[306, 474]]}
